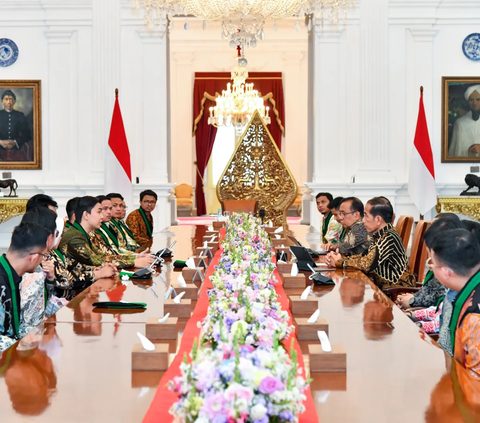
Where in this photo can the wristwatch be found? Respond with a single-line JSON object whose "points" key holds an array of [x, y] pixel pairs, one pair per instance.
{"points": [[411, 301]]}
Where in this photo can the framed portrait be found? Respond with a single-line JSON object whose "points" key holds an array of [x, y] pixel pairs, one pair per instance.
{"points": [[460, 119], [20, 124]]}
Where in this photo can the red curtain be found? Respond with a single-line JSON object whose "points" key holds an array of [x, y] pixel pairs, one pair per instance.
{"points": [[209, 85]]}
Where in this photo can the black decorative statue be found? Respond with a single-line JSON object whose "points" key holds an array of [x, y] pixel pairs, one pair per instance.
{"points": [[10, 183], [472, 181]]}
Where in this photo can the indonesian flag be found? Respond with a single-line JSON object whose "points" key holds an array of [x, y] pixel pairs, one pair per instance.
{"points": [[421, 184], [118, 174]]}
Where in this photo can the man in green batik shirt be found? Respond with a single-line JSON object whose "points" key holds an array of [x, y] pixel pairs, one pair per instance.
{"points": [[330, 228], [126, 238]]}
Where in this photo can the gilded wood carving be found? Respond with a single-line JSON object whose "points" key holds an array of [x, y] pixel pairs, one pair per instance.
{"points": [[258, 171]]}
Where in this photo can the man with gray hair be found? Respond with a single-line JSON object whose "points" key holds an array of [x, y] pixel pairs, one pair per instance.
{"points": [[466, 130]]}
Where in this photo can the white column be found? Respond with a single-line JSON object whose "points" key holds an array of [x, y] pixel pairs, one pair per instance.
{"points": [[374, 145], [152, 152], [296, 119], [106, 77], [60, 138], [183, 147], [324, 102]]}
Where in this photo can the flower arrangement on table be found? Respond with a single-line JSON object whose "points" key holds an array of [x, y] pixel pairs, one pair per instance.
{"points": [[239, 384], [241, 373]]}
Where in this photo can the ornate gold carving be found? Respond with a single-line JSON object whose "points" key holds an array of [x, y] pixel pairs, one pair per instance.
{"points": [[258, 171], [468, 206], [11, 207]]}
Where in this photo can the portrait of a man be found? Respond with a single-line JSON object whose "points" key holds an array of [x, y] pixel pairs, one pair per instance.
{"points": [[461, 120], [20, 138]]}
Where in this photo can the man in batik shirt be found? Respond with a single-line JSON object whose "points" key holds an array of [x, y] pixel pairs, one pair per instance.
{"points": [[330, 228], [140, 221], [385, 261]]}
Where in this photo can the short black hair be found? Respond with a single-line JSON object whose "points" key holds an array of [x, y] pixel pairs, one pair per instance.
{"points": [[473, 227], [70, 207], [85, 204], [28, 236], [10, 93], [458, 249], [102, 198], [41, 200], [43, 217], [115, 195], [324, 194], [381, 206], [335, 203], [356, 205], [439, 225], [148, 192]]}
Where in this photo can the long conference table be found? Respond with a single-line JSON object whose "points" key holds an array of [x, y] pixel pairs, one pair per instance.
{"points": [[77, 367]]}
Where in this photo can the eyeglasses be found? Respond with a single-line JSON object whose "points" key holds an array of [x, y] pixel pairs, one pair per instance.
{"points": [[45, 256], [149, 202], [431, 266], [123, 207], [342, 215]]}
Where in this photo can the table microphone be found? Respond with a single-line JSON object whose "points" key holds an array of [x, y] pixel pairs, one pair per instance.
{"points": [[261, 213]]}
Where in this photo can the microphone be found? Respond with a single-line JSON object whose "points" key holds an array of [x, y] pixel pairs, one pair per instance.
{"points": [[261, 213]]}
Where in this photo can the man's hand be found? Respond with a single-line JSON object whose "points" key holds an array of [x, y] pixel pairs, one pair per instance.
{"points": [[403, 300], [144, 261], [8, 144], [332, 258], [49, 269], [107, 270], [328, 246], [474, 149]]}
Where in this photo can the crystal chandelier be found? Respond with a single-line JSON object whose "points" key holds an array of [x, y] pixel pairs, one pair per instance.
{"points": [[243, 21], [236, 105]]}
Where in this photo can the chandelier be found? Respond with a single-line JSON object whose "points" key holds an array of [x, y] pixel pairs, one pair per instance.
{"points": [[236, 105], [243, 21]]}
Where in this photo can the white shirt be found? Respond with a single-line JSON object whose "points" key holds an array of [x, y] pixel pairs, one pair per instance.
{"points": [[466, 132]]}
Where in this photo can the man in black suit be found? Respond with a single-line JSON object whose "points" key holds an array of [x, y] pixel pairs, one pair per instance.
{"points": [[14, 130]]}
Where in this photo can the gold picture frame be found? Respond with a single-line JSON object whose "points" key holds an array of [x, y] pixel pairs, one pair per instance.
{"points": [[20, 124], [460, 116]]}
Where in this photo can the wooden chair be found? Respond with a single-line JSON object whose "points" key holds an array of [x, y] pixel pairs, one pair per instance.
{"points": [[184, 194], [418, 258], [404, 229], [246, 206]]}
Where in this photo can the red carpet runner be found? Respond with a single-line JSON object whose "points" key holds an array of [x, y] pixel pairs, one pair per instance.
{"points": [[164, 398]]}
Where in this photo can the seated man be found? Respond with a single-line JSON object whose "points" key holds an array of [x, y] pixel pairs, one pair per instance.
{"points": [[454, 260], [70, 208], [41, 200], [385, 261], [126, 238], [331, 229], [76, 242], [140, 221], [354, 238], [27, 249]]}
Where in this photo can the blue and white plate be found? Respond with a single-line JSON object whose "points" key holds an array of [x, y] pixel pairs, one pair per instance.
{"points": [[471, 46], [8, 52]]}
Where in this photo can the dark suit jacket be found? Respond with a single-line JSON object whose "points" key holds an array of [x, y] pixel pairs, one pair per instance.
{"points": [[14, 126]]}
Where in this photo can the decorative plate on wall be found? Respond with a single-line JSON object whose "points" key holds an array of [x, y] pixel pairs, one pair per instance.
{"points": [[8, 52], [471, 46]]}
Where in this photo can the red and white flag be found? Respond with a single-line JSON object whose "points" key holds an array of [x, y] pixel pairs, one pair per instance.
{"points": [[118, 173], [421, 184]]}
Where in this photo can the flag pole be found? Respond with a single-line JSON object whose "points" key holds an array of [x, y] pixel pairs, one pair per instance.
{"points": [[116, 92], [421, 93]]}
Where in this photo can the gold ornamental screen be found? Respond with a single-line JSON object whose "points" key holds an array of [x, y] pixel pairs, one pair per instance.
{"points": [[257, 171]]}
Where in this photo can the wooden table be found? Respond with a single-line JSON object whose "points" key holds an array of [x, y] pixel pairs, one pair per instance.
{"points": [[82, 370]]}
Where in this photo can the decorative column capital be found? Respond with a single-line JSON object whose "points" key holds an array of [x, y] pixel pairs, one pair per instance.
{"points": [[420, 34], [151, 36], [59, 36], [292, 57], [184, 58], [328, 35]]}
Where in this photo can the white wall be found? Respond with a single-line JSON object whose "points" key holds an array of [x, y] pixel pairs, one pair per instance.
{"points": [[198, 50], [82, 50], [365, 95]]}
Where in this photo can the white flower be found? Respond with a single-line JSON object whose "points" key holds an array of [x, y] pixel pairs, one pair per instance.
{"points": [[257, 412], [249, 340]]}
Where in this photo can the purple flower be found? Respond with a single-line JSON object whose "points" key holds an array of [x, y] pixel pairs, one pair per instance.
{"points": [[264, 419], [270, 384], [213, 406], [220, 419], [286, 415]]}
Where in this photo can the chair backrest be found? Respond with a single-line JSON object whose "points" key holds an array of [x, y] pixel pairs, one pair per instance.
{"points": [[404, 229], [418, 252], [183, 191], [247, 206]]}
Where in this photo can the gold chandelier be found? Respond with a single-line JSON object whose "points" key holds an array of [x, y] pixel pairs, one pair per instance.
{"points": [[237, 104], [243, 21]]}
